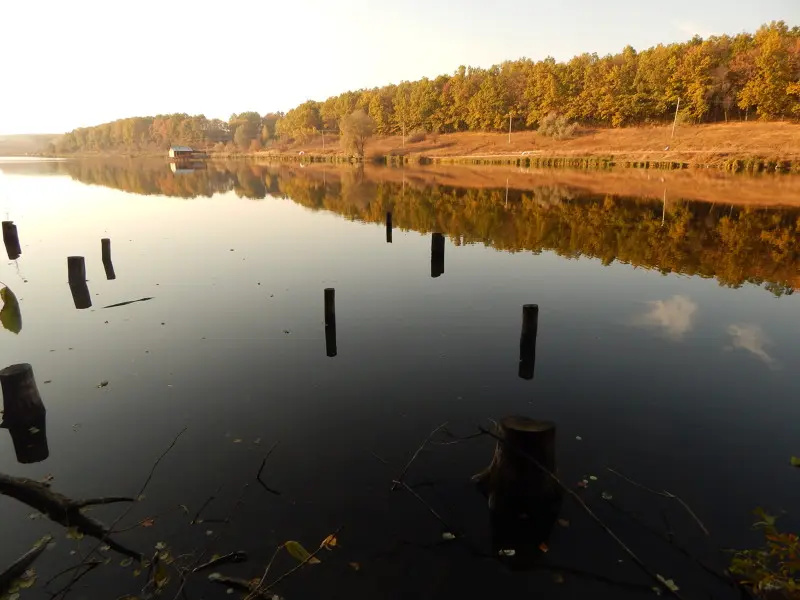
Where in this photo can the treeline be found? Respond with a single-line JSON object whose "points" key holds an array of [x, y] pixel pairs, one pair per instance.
{"points": [[720, 78], [736, 246], [247, 130]]}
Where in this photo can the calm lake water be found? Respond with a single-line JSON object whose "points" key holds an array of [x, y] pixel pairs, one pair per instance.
{"points": [[668, 348]]}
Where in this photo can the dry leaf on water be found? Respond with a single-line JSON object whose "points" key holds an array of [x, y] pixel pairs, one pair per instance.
{"points": [[298, 552]]}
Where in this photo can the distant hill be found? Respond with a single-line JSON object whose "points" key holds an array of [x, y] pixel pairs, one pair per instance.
{"points": [[25, 143]]}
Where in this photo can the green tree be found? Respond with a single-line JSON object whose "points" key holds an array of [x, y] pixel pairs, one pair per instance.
{"points": [[356, 129]]}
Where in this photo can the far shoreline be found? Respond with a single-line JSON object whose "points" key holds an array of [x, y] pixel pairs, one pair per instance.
{"points": [[735, 147]]}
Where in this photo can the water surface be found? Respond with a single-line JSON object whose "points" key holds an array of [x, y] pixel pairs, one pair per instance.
{"points": [[667, 348]]}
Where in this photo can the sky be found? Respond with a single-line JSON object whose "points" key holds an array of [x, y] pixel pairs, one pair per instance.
{"points": [[84, 62]]}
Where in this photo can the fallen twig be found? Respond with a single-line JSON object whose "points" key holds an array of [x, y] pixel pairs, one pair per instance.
{"points": [[19, 566], [266, 570], [399, 478], [104, 539], [624, 547], [233, 557], [302, 563], [664, 494], [210, 499], [426, 505], [128, 302], [261, 468], [63, 510]]}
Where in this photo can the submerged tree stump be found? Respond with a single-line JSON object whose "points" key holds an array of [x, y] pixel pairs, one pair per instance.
{"points": [[524, 501], [24, 413], [21, 400]]}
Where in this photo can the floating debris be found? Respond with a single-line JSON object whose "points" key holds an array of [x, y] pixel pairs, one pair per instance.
{"points": [[128, 302], [102, 384]]}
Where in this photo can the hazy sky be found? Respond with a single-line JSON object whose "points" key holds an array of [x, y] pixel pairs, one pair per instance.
{"points": [[66, 64]]}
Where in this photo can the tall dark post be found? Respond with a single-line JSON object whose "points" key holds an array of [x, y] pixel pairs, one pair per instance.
{"points": [[11, 240], [437, 255], [330, 321], [105, 245], [388, 228], [76, 268], [24, 413], [527, 340]]}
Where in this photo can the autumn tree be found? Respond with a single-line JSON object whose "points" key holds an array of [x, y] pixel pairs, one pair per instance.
{"points": [[356, 128], [767, 89]]}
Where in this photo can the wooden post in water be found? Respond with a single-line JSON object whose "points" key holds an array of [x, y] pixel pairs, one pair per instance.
{"points": [[105, 245], [437, 255], [76, 269], [524, 501], [24, 413], [388, 228], [527, 340], [330, 322], [11, 240]]}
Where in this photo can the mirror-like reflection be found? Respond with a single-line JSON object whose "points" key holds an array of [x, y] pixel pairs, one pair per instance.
{"points": [[437, 255], [659, 352], [732, 236]]}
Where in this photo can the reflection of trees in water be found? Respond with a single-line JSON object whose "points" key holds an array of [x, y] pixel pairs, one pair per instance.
{"points": [[736, 246]]}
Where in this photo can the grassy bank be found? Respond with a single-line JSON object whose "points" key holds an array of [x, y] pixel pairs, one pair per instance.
{"points": [[735, 147]]}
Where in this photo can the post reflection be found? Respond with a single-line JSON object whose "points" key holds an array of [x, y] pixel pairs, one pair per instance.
{"points": [[437, 255]]}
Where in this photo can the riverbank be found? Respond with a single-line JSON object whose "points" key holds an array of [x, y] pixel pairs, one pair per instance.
{"points": [[735, 147], [751, 147]]}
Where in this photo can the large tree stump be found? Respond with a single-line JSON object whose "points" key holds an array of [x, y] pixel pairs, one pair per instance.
{"points": [[524, 501]]}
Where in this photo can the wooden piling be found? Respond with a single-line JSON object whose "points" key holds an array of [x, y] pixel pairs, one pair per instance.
{"points": [[388, 228], [527, 340], [105, 246], [21, 400], [80, 294], [11, 240], [330, 322], [524, 501], [76, 269], [437, 255]]}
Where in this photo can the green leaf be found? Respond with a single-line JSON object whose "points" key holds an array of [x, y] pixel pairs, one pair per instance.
{"points": [[795, 461], [297, 551], [10, 316]]}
